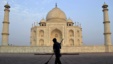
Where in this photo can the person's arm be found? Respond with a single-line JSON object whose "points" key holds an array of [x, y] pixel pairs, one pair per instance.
{"points": [[61, 42]]}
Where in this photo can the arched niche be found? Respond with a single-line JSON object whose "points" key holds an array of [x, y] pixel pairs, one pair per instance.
{"points": [[78, 42], [71, 42], [78, 33], [41, 42], [34, 33], [41, 33], [34, 36], [71, 33], [56, 33]]}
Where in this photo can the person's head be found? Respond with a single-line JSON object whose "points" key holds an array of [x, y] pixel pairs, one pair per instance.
{"points": [[54, 40]]}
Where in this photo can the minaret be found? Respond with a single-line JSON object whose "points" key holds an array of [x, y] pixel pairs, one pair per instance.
{"points": [[107, 33], [5, 29]]}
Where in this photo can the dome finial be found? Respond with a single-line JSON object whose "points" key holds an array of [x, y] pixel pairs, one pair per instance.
{"points": [[105, 3], [7, 5], [56, 5]]}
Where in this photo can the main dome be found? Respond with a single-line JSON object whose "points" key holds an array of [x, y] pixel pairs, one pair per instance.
{"points": [[56, 13]]}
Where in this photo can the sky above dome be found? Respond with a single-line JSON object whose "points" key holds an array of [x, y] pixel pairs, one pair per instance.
{"points": [[23, 13]]}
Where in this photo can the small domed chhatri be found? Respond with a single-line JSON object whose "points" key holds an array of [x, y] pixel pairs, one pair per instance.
{"points": [[7, 6], [104, 5], [69, 20], [56, 13], [43, 20]]}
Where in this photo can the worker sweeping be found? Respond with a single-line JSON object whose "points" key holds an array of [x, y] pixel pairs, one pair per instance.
{"points": [[56, 49]]}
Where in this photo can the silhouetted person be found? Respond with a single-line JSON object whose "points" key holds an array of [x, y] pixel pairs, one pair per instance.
{"points": [[56, 49]]}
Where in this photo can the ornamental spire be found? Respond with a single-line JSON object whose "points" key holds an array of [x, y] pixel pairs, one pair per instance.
{"points": [[56, 5], [7, 5], [104, 3]]}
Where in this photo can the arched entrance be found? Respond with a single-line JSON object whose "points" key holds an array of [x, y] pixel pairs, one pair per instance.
{"points": [[56, 33], [71, 42], [41, 42]]}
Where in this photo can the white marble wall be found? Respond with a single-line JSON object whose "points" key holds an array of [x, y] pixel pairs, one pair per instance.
{"points": [[27, 49]]}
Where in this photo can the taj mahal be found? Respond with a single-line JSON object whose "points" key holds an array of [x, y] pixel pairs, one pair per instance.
{"points": [[56, 25]]}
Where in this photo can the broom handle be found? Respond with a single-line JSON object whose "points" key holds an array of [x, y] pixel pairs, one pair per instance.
{"points": [[61, 41], [51, 56]]}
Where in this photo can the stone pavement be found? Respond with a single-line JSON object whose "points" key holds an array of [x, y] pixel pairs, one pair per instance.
{"points": [[100, 58]]}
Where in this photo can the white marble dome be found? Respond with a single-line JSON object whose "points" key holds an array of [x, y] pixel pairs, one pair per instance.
{"points": [[69, 20], [56, 13], [43, 20]]}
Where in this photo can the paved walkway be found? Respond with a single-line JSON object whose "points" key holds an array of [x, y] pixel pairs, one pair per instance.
{"points": [[102, 58]]}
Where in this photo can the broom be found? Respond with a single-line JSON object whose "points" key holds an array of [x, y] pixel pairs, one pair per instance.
{"points": [[49, 59], [52, 54]]}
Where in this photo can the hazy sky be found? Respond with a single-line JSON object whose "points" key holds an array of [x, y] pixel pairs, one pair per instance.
{"points": [[23, 13]]}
